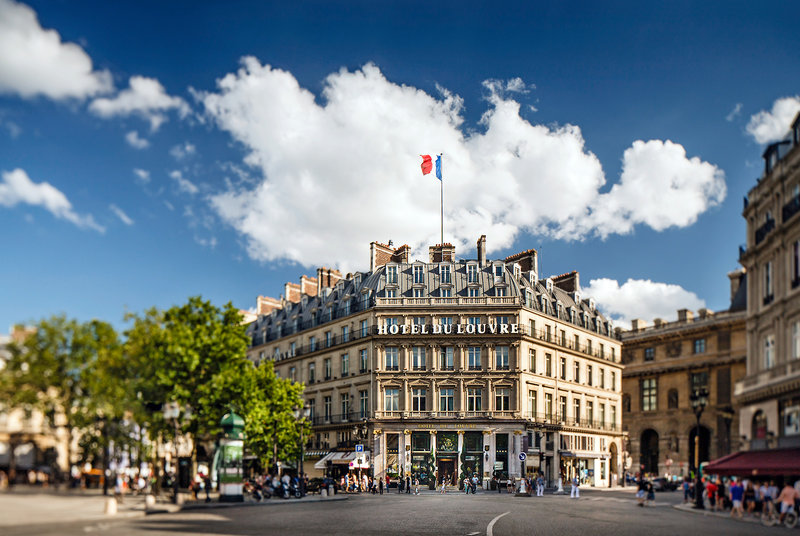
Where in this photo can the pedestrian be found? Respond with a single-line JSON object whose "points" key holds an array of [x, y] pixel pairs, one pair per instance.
{"points": [[750, 498], [408, 484], [737, 495], [786, 500], [640, 492], [651, 494], [416, 485], [119, 487], [711, 493], [497, 483], [686, 488], [540, 485], [380, 485], [207, 486], [388, 481], [400, 482], [575, 491], [444, 485], [474, 484]]}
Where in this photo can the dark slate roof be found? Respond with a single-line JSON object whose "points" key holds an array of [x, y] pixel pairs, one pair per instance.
{"points": [[739, 301], [357, 293]]}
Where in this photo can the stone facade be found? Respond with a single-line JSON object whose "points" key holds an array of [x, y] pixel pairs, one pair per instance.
{"points": [[770, 392], [453, 367], [664, 364]]}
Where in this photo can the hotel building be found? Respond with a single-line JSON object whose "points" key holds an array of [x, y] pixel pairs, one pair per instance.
{"points": [[449, 368]]}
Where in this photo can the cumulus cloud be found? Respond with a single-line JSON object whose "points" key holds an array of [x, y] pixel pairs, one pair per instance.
{"points": [[16, 187], [142, 175], [342, 170], [135, 141], [35, 61], [145, 97], [184, 184], [659, 187], [773, 125], [640, 298], [181, 151], [124, 218]]}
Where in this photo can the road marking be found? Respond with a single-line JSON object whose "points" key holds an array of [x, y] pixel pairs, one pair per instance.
{"points": [[492, 522]]}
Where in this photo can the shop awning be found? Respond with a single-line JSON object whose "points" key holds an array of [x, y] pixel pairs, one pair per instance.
{"points": [[345, 458], [323, 463], [775, 462]]}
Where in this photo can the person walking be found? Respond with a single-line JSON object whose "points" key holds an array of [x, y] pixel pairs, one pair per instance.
{"points": [[786, 500], [416, 485], [737, 494], [651, 495], [380, 485], [474, 484], [575, 491], [540, 486], [444, 485], [408, 484]]}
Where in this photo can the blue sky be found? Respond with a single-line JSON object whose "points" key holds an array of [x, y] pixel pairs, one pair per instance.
{"points": [[152, 151]]}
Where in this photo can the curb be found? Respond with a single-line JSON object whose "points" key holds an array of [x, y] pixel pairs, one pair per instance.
{"points": [[721, 515], [268, 502]]}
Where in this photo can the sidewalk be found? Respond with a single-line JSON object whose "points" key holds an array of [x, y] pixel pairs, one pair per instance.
{"points": [[34, 506], [689, 507]]}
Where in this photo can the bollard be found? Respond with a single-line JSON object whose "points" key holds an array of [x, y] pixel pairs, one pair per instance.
{"points": [[111, 506], [323, 492], [330, 490], [149, 501]]}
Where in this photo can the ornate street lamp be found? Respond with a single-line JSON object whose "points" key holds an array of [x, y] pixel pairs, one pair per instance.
{"points": [[699, 400], [172, 412]]}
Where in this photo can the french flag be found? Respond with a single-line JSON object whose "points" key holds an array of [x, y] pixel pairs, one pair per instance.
{"points": [[427, 165]]}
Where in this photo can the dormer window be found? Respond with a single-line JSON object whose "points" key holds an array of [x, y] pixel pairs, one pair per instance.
{"points": [[472, 273], [500, 291], [498, 270], [445, 274], [549, 284], [528, 298], [591, 304], [391, 275], [357, 281], [517, 271], [419, 274], [572, 315]]}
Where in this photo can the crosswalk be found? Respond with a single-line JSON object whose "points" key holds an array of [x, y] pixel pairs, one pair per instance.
{"points": [[627, 501]]}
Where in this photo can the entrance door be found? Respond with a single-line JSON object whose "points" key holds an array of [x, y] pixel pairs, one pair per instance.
{"points": [[446, 469]]}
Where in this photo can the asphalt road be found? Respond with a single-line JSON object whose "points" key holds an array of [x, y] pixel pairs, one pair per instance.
{"points": [[452, 514]]}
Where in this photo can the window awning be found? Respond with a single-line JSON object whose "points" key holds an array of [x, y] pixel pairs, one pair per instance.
{"points": [[323, 463], [775, 462], [344, 458]]}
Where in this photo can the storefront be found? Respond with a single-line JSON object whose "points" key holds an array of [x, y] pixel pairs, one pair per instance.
{"points": [[501, 456], [471, 456], [447, 457], [421, 458]]}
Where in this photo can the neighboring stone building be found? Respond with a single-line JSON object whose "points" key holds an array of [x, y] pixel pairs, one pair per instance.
{"points": [[451, 367], [770, 393], [664, 364]]}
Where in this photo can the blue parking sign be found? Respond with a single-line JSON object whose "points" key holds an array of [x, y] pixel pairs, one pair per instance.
{"points": [[359, 448]]}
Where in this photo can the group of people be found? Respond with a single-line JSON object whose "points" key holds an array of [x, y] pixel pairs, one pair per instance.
{"points": [[366, 484], [746, 497]]}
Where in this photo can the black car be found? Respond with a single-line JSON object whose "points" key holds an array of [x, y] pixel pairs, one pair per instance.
{"points": [[663, 484]]}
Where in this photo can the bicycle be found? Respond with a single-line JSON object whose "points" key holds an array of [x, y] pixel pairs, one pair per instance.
{"points": [[772, 517]]}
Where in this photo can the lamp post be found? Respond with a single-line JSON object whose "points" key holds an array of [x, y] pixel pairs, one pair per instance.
{"points": [[172, 412], [301, 415], [699, 401]]}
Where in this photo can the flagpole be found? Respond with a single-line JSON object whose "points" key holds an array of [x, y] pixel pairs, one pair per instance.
{"points": [[441, 203]]}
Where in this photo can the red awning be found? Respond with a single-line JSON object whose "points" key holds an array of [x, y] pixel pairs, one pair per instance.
{"points": [[776, 462]]}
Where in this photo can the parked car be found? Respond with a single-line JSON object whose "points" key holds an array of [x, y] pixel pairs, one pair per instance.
{"points": [[663, 484]]}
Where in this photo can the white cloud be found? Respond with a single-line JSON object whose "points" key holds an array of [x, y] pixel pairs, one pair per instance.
{"points": [[144, 97], [35, 61], [184, 184], [169, 205], [337, 175], [135, 141], [736, 112], [766, 127], [640, 298], [120, 214], [14, 130], [17, 188], [659, 187], [142, 175], [181, 151], [210, 242]]}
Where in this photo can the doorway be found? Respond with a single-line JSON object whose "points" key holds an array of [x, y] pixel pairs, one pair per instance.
{"points": [[446, 468]]}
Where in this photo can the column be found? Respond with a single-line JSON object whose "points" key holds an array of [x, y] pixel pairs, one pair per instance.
{"points": [[433, 407], [461, 406], [514, 361], [520, 387], [459, 476], [434, 357], [490, 402], [406, 397], [490, 356], [375, 399], [380, 358], [405, 357], [461, 359]]}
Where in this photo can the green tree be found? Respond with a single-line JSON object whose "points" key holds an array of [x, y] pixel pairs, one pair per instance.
{"points": [[54, 370], [271, 429]]}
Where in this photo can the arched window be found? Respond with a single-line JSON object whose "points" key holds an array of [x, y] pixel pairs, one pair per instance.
{"points": [[759, 426], [672, 399]]}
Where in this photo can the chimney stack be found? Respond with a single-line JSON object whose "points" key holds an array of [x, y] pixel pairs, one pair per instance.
{"points": [[482, 250], [685, 315]]}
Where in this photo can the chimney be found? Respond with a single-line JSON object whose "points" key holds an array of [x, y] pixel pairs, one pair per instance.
{"points": [[569, 282], [265, 305], [327, 278], [400, 255], [736, 281], [442, 252], [527, 260], [308, 285], [637, 324], [685, 315], [482, 250], [657, 322], [379, 254]]}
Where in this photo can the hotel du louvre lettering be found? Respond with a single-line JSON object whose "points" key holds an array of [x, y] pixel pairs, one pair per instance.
{"points": [[448, 329]]}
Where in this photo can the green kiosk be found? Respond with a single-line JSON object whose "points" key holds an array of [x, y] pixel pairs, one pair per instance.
{"points": [[229, 458]]}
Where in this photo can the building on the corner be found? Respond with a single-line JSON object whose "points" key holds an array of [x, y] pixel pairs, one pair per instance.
{"points": [[770, 392], [451, 367], [664, 364]]}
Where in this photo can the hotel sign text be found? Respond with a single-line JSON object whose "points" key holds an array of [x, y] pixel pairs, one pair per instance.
{"points": [[448, 329]]}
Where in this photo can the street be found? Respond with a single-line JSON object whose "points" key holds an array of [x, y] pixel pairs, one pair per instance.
{"points": [[430, 513]]}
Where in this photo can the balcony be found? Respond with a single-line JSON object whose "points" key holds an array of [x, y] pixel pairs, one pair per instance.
{"points": [[340, 418], [791, 208], [481, 300], [769, 299], [764, 230]]}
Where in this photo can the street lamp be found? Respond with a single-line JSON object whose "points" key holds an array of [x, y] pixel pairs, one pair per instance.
{"points": [[699, 400], [172, 412], [301, 414]]}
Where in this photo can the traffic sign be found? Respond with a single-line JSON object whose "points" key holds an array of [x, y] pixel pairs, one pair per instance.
{"points": [[359, 448], [522, 456]]}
